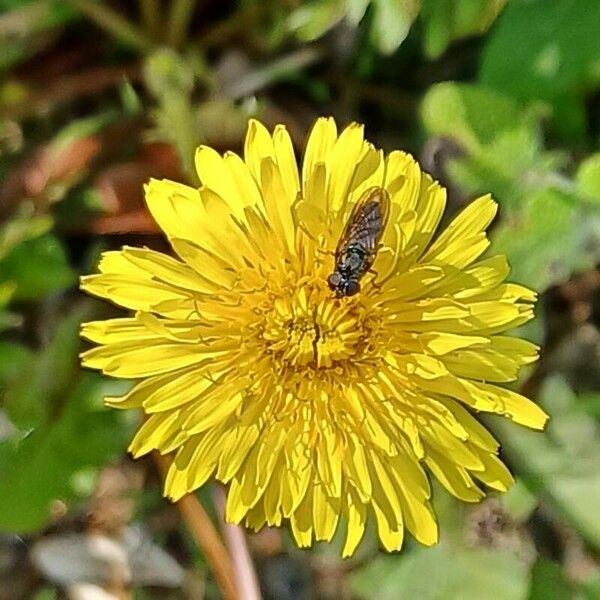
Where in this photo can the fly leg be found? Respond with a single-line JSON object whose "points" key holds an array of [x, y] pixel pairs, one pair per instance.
{"points": [[325, 252], [321, 254], [374, 282]]}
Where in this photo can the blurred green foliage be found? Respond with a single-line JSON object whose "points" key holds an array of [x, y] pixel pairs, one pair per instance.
{"points": [[458, 572], [588, 178], [23, 22], [448, 20], [493, 96], [61, 427], [549, 224], [556, 61], [444, 21], [170, 80], [37, 268], [562, 464]]}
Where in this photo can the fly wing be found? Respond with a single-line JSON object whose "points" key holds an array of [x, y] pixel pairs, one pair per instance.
{"points": [[366, 222]]}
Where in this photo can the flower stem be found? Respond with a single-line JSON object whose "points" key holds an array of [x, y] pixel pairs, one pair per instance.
{"points": [[151, 15], [245, 574], [206, 537], [179, 20], [240, 20], [113, 23]]}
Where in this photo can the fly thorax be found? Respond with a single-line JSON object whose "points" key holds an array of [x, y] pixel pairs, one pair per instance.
{"points": [[353, 260]]}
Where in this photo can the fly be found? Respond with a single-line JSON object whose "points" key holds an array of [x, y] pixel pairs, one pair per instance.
{"points": [[359, 242]]}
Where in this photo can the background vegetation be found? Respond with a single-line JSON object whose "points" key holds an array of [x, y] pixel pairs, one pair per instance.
{"points": [[96, 97]]}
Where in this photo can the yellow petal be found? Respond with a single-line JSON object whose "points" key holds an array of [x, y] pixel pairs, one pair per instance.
{"points": [[140, 294], [286, 161], [277, 209], [369, 172], [258, 146], [441, 344], [320, 143], [341, 164], [454, 478], [326, 512], [236, 443], [132, 360], [403, 182], [302, 522], [357, 468], [150, 435], [511, 404], [167, 270], [356, 513], [175, 207], [204, 459], [479, 277], [429, 210], [445, 443], [477, 433], [272, 496], [219, 174], [464, 239], [385, 493], [495, 474], [391, 538], [419, 518]]}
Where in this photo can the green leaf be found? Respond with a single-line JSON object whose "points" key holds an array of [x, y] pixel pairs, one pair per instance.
{"points": [[7, 290], [7, 319], [471, 114], [555, 60], [588, 178], [511, 165], [13, 359], [44, 466], [544, 228], [519, 502], [311, 20], [38, 267], [81, 128], [544, 244], [548, 582], [562, 464], [35, 384], [590, 403], [130, 99], [46, 594], [449, 20], [54, 12], [591, 588], [356, 10], [24, 24], [20, 228], [443, 572], [392, 21], [64, 432]]}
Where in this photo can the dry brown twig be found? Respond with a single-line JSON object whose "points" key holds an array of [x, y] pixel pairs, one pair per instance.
{"points": [[207, 538]]}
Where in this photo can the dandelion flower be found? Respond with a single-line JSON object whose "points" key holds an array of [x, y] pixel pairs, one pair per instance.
{"points": [[311, 408]]}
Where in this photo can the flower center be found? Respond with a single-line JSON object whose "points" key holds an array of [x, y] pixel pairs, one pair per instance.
{"points": [[312, 328]]}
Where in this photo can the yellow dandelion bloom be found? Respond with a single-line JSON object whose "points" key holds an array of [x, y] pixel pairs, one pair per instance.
{"points": [[314, 408]]}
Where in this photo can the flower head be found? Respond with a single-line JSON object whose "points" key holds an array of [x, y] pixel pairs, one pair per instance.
{"points": [[313, 407]]}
